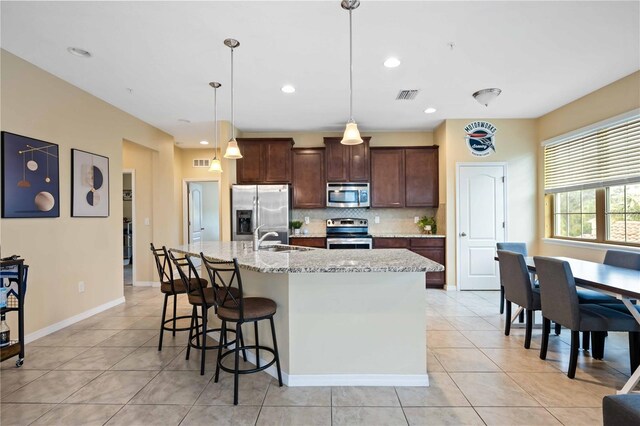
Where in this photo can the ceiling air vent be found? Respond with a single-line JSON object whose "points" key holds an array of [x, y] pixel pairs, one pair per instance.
{"points": [[407, 95], [201, 162]]}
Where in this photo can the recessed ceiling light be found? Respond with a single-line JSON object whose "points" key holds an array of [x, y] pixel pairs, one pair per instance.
{"points": [[288, 89], [392, 62], [79, 52], [430, 110], [204, 142]]}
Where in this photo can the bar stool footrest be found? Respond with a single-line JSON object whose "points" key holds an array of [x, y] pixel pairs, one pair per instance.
{"points": [[166, 327], [211, 330], [248, 371]]}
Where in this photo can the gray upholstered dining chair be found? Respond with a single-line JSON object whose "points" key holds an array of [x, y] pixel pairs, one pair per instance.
{"points": [[518, 289], [515, 247], [559, 301]]}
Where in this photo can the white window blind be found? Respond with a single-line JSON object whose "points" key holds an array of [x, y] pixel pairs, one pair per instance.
{"points": [[602, 157]]}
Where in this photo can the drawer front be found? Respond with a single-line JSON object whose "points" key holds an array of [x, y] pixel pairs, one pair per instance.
{"points": [[427, 242], [309, 242], [390, 243]]}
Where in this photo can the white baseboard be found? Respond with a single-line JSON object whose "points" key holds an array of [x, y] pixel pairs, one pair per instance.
{"points": [[293, 380], [146, 284], [72, 320]]}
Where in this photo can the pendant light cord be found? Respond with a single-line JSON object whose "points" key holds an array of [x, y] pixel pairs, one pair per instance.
{"points": [[233, 126], [215, 118], [350, 68]]}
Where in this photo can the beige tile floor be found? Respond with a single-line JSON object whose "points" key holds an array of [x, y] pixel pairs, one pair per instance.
{"points": [[107, 370]]}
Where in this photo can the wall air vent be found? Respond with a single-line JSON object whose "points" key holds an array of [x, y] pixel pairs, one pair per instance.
{"points": [[407, 95], [201, 162]]}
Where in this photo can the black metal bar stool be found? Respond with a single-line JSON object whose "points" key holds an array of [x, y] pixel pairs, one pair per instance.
{"points": [[234, 307], [203, 296], [169, 287]]}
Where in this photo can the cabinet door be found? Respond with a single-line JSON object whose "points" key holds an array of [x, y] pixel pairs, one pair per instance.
{"points": [[421, 177], [317, 242], [381, 243], [249, 168], [434, 279], [309, 184], [359, 163], [277, 162], [337, 160], [387, 177]]}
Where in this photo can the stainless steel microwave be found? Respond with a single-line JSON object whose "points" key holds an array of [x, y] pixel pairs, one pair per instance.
{"points": [[348, 195]]}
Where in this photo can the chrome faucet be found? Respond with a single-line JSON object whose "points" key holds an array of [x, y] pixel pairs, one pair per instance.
{"points": [[257, 241]]}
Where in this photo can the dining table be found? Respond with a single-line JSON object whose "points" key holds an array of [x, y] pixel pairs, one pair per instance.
{"points": [[621, 283]]}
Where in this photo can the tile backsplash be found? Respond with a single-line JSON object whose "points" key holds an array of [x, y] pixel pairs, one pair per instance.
{"points": [[391, 220]]}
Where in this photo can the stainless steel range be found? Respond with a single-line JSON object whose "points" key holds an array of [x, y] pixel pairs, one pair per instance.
{"points": [[347, 233]]}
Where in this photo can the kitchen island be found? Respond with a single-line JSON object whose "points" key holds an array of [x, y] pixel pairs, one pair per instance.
{"points": [[345, 317]]}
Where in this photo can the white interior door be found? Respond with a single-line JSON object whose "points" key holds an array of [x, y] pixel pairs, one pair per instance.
{"points": [[195, 213], [481, 224]]}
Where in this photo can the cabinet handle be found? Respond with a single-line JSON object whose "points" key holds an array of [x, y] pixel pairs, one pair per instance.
{"points": [[463, 234]]}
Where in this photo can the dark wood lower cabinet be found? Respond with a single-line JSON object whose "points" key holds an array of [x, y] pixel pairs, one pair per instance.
{"points": [[431, 248], [317, 242]]}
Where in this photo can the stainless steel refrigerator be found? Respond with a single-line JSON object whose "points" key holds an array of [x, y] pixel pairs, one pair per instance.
{"points": [[260, 205]]}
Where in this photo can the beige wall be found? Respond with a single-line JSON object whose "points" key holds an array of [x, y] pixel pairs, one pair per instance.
{"points": [[612, 100], [140, 159], [311, 139], [516, 145], [65, 250]]}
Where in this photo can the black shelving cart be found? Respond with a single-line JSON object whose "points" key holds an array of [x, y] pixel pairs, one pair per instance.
{"points": [[13, 277]]}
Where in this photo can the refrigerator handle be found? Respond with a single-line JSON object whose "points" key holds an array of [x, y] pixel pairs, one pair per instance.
{"points": [[258, 210], [255, 214]]}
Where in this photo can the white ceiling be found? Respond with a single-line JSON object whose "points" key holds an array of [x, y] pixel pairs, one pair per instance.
{"points": [[541, 54]]}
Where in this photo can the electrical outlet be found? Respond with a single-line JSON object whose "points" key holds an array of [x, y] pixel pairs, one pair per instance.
{"points": [[147, 221], [416, 219], [81, 287], [376, 219], [306, 220]]}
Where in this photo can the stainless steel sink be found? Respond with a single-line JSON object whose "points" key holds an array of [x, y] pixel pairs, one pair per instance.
{"points": [[284, 248]]}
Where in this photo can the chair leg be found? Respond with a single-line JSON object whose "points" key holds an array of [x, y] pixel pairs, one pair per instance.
{"points": [[244, 351], [236, 351], [275, 350], [194, 324], [224, 332], [501, 299], [507, 319], [203, 349], [521, 317], [597, 344], [546, 329], [164, 315], [529, 326], [175, 310], [585, 340], [573, 360], [558, 329], [255, 328], [634, 350]]}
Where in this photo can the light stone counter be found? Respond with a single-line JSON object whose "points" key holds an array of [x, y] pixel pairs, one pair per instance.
{"points": [[345, 317], [313, 260]]}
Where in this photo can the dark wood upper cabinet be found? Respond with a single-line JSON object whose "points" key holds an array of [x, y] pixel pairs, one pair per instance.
{"points": [[309, 182], [421, 177], [347, 163], [264, 160], [387, 177]]}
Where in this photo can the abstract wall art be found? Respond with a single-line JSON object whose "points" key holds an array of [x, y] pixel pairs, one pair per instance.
{"points": [[30, 177], [89, 184]]}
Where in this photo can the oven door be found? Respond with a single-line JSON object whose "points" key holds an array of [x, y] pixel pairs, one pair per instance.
{"points": [[349, 243]]}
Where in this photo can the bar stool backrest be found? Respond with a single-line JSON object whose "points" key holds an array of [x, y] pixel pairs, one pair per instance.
{"points": [[188, 274], [224, 297], [165, 271], [622, 259], [558, 294], [515, 278]]}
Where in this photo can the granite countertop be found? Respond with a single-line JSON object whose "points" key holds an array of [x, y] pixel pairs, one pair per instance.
{"points": [[398, 235], [313, 260]]}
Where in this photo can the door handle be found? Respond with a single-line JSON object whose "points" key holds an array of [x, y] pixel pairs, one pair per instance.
{"points": [[463, 234]]}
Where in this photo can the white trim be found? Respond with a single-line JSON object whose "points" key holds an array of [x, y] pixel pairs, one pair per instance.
{"points": [[133, 223], [505, 203], [185, 206], [146, 284], [589, 245], [590, 128], [72, 320]]}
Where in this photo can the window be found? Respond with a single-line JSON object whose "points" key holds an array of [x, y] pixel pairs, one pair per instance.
{"points": [[592, 182]]}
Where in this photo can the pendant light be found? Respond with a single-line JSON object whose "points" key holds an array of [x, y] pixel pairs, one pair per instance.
{"points": [[216, 166], [232, 152], [351, 133]]}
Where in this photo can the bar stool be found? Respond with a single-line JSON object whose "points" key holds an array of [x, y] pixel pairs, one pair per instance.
{"points": [[202, 296], [169, 287], [241, 310]]}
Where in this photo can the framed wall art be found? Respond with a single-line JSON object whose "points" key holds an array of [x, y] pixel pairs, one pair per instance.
{"points": [[89, 184], [30, 177]]}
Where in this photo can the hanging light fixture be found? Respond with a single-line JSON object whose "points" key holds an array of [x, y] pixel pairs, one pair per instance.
{"points": [[486, 96], [351, 133], [216, 166], [232, 152]]}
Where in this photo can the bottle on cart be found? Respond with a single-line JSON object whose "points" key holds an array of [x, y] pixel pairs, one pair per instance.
{"points": [[5, 337]]}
